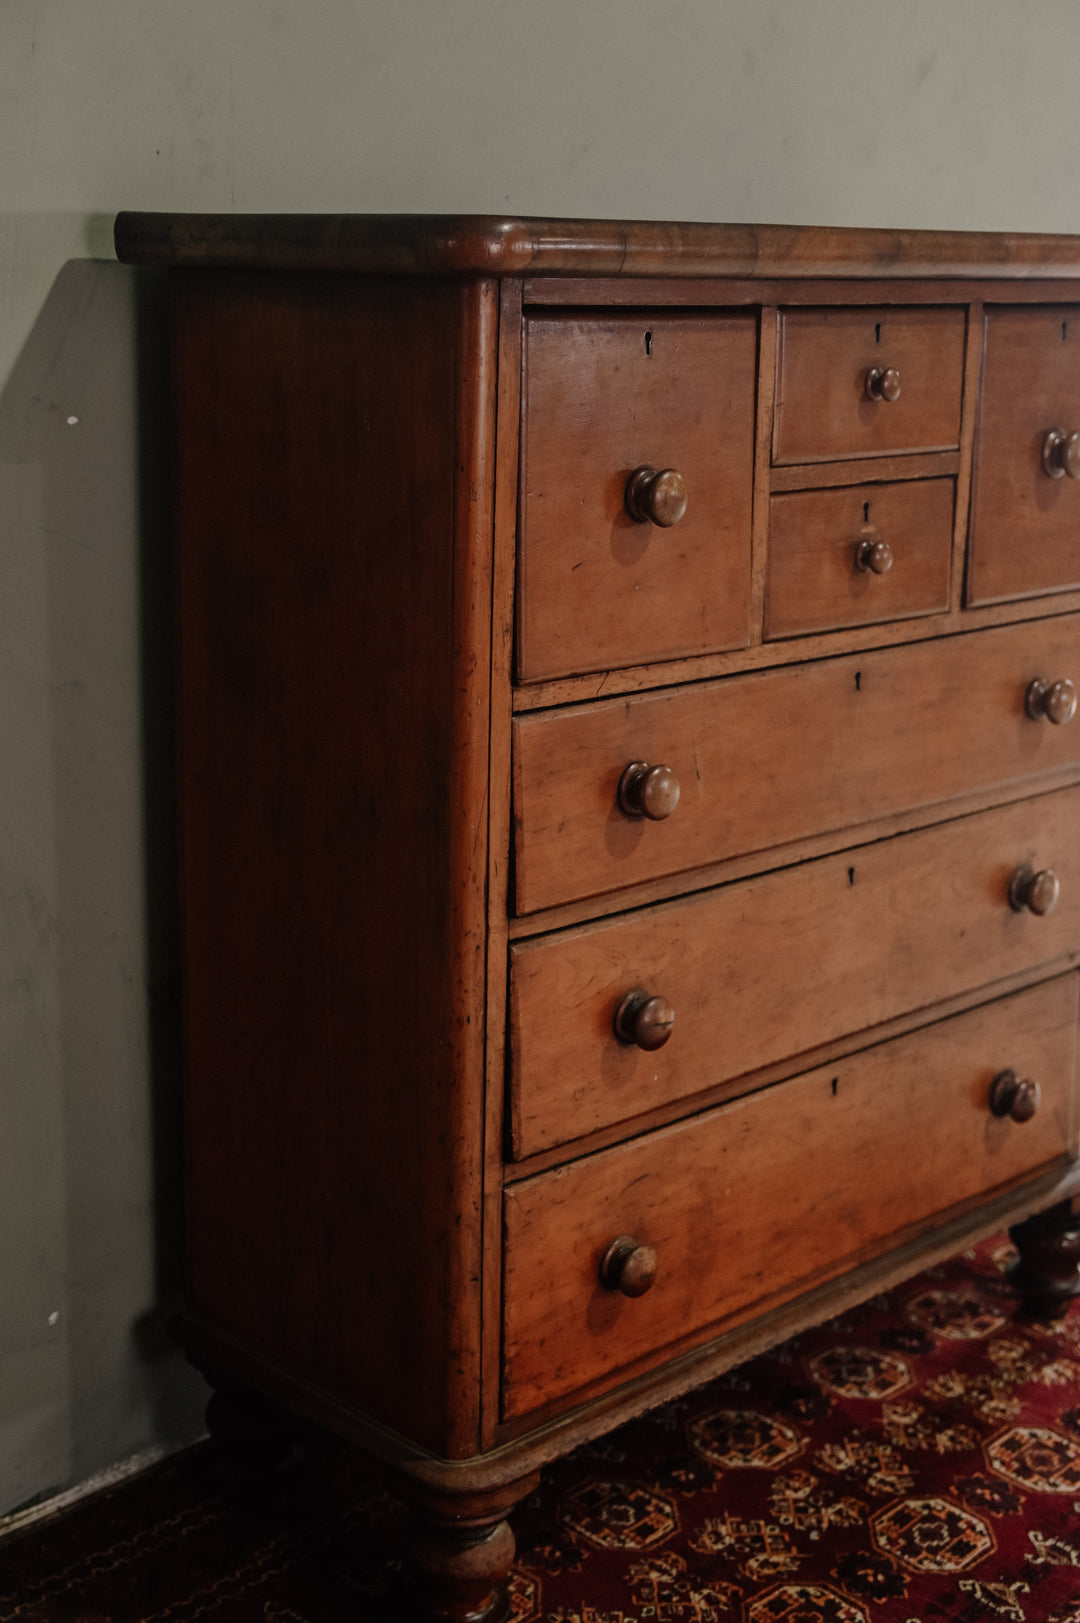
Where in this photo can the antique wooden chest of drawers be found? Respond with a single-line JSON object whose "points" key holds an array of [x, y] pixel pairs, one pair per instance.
{"points": [[630, 808]]}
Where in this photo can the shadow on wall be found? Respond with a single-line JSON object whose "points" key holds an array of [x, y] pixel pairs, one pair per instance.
{"points": [[90, 1140]]}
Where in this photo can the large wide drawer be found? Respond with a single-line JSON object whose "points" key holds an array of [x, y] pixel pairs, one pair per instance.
{"points": [[778, 755], [766, 969], [752, 1203]]}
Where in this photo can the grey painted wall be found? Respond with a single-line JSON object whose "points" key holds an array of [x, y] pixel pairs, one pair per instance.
{"points": [[871, 112]]}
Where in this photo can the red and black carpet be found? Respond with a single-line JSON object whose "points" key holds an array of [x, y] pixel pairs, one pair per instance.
{"points": [[916, 1461]]}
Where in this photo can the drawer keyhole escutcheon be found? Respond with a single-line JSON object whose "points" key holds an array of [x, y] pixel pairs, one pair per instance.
{"points": [[648, 791], [1061, 454], [656, 496], [1056, 701], [1038, 892], [1012, 1097], [883, 383], [644, 1020], [627, 1266], [873, 555]]}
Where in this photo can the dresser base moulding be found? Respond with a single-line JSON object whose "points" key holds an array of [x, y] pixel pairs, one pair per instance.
{"points": [[463, 1540]]}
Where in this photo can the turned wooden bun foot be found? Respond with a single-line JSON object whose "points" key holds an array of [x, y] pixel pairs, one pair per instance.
{"points": [[256, 1438], [461, 1573], [1047, 1274], [461, 1553]]}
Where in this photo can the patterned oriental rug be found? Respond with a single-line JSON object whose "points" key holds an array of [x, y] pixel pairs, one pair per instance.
{"points": [[915, 1461]]}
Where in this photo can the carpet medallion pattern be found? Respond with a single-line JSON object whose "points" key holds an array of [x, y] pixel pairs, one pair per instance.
{"points": [[915, 1461]]}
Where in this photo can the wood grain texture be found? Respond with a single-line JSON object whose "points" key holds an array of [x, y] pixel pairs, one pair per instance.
{"points": [[814, 582], [823, 361], [604, 396], [775, 1191], [768, 322], [806, 849], [777, 755], [428, 244], [451, 1155], [788, 651], [731, 292], [865, 470], [508, 416], [1025, 527], [765, 969], [969, 412], [334, 764], [840, 1048]]}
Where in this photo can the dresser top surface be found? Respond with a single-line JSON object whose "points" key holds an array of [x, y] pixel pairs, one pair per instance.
{"points": [[491, 245]]}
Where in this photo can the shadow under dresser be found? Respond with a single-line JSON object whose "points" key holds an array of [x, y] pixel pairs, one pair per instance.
{"points": [[630, 810]]}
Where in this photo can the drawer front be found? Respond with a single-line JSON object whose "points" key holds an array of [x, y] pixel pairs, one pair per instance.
{"points": [[777, 755], [1025, 523], [605, 396], [823, 407], [858, 554], [763, 970], [756, 1201]]}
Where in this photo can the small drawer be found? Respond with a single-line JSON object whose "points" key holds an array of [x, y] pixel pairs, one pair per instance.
{"points": [[858, 554], [601, 583], [1025, 518], [831, 363], [715, 985], [749, 1205], [775, 756]]}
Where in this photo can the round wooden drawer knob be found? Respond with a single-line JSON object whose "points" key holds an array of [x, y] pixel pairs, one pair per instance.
{"points": [[627, 1266], [873, 555], [1061, 454], [883, 383], [656, 496], [644, 1020], [1010, 1096], [648, 791], [1038, 892], [1054, 700]]}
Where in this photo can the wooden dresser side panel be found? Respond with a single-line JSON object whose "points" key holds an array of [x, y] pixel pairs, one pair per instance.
{"points": [[334, 538]]}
